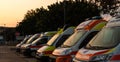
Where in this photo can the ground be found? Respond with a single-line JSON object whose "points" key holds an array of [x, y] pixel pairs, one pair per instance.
{"points": [[8, 54]]}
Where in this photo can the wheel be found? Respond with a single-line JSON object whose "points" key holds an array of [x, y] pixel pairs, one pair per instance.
{"points": [[33, 54]]}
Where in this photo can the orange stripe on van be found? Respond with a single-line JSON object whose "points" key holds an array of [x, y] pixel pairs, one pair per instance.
{"points": [[88, 56], [83, 56], [92, 24]]}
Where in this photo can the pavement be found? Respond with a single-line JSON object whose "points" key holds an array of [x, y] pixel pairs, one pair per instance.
{"points": [[8, 54]]}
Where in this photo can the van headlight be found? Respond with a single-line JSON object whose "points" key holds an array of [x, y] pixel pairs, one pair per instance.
{"points": [[104, 57], [66, 52], [27, 46], [40, 53], [18, 45]]}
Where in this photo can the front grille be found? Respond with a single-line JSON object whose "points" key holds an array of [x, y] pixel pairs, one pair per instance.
{"points": [[52, 58]]}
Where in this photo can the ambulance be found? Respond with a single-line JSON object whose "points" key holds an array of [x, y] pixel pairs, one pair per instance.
{"points": [[31, 48], [105, 46], [45, 51], [22, 42], [31, 39], [83, 33]]}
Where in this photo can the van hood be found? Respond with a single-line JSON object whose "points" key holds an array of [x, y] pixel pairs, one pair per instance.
{"points": [[46, 48], [18, 45], [86, 54], [60, 51], [25, 45]]}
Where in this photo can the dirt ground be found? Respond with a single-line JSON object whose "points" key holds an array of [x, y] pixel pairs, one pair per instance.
{"points": [[8, 54]]}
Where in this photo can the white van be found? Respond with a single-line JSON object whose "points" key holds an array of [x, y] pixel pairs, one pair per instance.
{"points": [[58, 39], [31, 48], [22, 42], [83, 33], [105, 46]]}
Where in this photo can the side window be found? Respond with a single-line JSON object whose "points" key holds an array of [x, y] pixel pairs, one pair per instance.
{"points": [[42, 41], [88, 38], [61, 40]]}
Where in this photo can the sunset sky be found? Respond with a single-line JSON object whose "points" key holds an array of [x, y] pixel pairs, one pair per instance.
{"points": [[12, 11]]}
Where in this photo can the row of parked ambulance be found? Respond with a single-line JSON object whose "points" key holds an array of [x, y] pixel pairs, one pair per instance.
{"points": [[83, 43]]}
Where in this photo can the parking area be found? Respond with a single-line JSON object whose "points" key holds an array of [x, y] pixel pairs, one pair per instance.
{"points": [[8, 54]]}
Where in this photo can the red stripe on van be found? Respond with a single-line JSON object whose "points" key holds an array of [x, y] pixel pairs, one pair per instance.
{"points": [[116, 57], [47, 52], [101, 52], [92, 24], [73, 53], [35, 46]]}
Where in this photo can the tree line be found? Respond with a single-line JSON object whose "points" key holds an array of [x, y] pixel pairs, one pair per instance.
{"points": [[59, 14]]}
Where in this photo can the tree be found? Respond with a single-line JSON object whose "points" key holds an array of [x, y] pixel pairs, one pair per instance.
{"points": [[106, 5], [69, 13], [75, 12]]}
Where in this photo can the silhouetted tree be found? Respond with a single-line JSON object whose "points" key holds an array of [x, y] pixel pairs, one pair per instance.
{"points": [[68, 12]]}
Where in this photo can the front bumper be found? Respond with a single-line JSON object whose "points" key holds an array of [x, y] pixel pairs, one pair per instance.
{"points": [[18, 50], [52, 58], [60, 58], [77, 60], [42, 58], [26, 52]]}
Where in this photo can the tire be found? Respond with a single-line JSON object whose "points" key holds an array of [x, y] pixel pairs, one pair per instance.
{"points": [[33, 54]]}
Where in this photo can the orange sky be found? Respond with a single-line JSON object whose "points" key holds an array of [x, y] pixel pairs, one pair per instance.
{"points": [[12, 11]]}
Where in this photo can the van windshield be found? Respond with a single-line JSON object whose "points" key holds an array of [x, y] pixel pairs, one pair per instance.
{"points": [[41, 40], [25, 39], [38, 39], [34, 37], [72, 40], [107, 38], [53, 39]]}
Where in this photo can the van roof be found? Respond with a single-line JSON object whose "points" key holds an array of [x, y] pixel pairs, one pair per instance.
{"points": [[94, 18], [115, 21], [50, 33], [69, 30], [88, 25]]}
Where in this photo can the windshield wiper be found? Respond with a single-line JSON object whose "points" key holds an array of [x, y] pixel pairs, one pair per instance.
{"points": [[65, 46], [96, 47]]}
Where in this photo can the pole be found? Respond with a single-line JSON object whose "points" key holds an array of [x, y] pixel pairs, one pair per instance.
{"points": [[64, 12], [4, 33]]}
